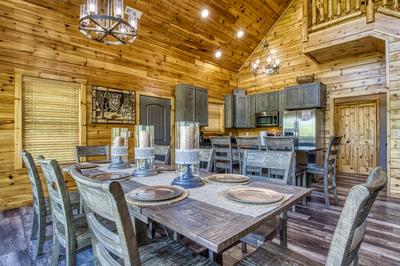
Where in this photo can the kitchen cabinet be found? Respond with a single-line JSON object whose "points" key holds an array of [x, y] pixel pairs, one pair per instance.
{"points": [[252, 111], [304, 96], [228, 111], [267, 102], [281, 95], [261, 102], [191, 104], [239, 111]]}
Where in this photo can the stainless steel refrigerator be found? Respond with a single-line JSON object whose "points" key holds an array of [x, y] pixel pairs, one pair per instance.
{"points": [[305, 125]]}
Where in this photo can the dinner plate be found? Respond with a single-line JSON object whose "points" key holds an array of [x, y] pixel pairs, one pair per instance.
{"points": [[165, 168], [100, 161], [252, 195], [154, 193], [228, 178], [109, 176], [86, 165]]}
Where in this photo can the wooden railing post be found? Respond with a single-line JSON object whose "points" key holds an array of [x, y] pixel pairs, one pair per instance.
{"points": [[305, 20], [370, 11], [396, 4], [348, 6], [330, 9], [357, 5], [313, 13], [339, 8], [384, 3]]}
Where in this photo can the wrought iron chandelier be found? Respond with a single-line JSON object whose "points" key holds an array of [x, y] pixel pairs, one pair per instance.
{"points": [[108, 25], [271, 65]]}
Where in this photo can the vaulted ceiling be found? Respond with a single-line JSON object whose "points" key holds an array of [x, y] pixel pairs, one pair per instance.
{"points": [[178, 25]]}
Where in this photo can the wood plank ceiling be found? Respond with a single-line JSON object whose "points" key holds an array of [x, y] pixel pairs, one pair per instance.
{"points": [[178, 25]]}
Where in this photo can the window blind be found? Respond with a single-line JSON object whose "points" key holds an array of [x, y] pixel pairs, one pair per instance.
{"points": [[215, 118], [50, 123]]}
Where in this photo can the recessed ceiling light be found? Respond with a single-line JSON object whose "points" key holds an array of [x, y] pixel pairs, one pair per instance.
{"points": [[218, 54], [204, 13], [240, 34]]}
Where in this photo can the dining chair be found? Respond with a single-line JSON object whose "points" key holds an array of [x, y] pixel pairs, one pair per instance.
{"points": [[271, 160], [348, 235], [206, 157], [246, 143], [41, 205], [162, 154], [328, 169], [120, 247], [285, 144], [89, 151], [224, 157], [69, 231]]}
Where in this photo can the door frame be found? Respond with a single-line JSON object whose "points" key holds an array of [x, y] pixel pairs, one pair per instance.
{"points": [[172, 116], [366, 95]]}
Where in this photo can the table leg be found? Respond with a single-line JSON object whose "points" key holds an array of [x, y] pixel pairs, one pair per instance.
{"points": [[177, 237], [216, 257], [141, 232], [283, 230], [151, 233]]}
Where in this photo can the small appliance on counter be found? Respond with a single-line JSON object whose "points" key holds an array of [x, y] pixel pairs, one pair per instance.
{"points": [[267, 119]]}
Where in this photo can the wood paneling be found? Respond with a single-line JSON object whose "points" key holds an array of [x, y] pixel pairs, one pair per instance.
{"points": [[46, 43]]}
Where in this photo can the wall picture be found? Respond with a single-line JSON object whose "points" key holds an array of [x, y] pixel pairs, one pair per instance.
{"points": [[113, 106]]}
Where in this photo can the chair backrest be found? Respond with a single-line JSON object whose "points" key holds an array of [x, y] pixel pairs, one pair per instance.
{"points": [[162, 154], [279, 160], [279, 143], [331, 155], [86, 151], [246, 143], [223, 151], [107, 200], [350, 229], [61, 210], [206, 157], [34, 178]]}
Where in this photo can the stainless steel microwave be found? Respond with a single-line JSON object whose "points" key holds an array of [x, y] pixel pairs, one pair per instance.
{"points": [[267, 119]]}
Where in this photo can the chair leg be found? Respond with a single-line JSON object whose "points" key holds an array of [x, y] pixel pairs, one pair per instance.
{"points": [[41, 234], [244, 247], [34, 225], [70, 253], [56, 251], [326, 191], [334, 187]]}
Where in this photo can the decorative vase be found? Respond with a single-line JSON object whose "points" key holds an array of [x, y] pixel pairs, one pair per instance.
{"points": [[187, 155], [144, 151], [119, 148]]}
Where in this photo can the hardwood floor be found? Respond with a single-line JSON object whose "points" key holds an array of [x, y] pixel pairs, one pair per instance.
{"points": [[310, 230]]}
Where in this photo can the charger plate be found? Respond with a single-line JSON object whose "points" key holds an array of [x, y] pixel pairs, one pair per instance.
{"points": [[252, 195], [144, 204], [83, 166], [228, 178], [154, 193], [109, 176]]}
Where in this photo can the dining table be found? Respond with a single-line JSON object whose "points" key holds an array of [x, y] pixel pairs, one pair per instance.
{"points": [[204, 217]]}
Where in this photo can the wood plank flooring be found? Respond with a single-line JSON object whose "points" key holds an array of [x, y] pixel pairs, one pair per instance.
{"points": [[310, 231]]}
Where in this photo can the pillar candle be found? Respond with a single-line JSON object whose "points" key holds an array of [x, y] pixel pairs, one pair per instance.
{"points": [[144, 139], [187, 135]]}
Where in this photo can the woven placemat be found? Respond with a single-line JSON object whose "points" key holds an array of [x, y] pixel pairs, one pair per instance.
{"points": [[143, 204], [223, 196]]}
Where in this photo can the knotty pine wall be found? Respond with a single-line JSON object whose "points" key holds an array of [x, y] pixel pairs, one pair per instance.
{"points": [[361, 74], [48, 43]]}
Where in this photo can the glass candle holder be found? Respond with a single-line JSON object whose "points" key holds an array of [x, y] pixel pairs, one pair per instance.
{"points": [[119, 148], [187, 155], [144, 151]]}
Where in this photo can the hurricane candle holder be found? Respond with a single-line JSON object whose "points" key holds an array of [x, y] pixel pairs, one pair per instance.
{"points": [[119, 148], [144, 151], [187, 155]]}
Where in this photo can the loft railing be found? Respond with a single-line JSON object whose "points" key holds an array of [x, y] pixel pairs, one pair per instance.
{"points": [[321, 14]]}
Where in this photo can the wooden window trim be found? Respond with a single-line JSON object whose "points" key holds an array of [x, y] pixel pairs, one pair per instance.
{"points": [[19, 75]]}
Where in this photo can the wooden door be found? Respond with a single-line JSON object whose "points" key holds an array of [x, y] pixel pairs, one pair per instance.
{"points": [[157, 111], [357, 123]]}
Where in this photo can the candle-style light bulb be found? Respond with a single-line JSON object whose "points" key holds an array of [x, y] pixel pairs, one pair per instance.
{"points": [[269, 59], [277, 62], [92, 6], [132, 18], [257, 61], [118, 8], [83, 12]]}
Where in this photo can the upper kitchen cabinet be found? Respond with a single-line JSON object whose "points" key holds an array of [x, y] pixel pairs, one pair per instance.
{"points": [[239, 111], [281, 106], [191, 104], [303, 96], [267, 102]]}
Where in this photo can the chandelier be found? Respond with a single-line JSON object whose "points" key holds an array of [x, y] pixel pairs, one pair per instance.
{"points": [[271, 65], [108, 25]]}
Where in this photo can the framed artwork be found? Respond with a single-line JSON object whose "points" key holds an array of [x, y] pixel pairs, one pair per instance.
{"points": [[113, 106]]}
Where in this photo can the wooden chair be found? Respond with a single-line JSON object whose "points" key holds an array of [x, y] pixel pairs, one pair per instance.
{"points": [[206, 158], [328, 169], [86, 151], [274, 160], [247, 143], [224, 157], [68, 231], [41, 204], [120, 247], [162, 154], [285, 144], [348, 236]]}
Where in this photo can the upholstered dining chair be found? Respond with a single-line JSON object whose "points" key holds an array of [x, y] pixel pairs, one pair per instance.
{"points": [[69, 231], [328, 169], [92, 151], [162, 154], [224, 157], [348, 236], [206, 157], [41, 204], [107, 200], [271, 160], [246, 143]]}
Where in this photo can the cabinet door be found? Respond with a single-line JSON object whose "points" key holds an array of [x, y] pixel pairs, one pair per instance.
{"points": [[310, 95], [202, 106], [281, 107], [228, 112], [292, 97], [185, 103], [241, 113], [272, 102], [261, 102], [252, 111]]}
